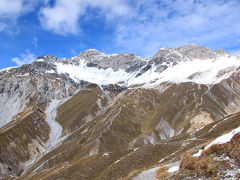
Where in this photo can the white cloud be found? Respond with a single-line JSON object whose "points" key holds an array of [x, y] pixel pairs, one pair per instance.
{"points": [[24, 58], [64, 16], [11, 7], [145, 26], [140, 26], [10, 10], [173, 23], [35, 42], [3, 26]]}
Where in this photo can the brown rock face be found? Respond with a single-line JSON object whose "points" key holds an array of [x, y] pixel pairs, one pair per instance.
{"points": [[108, 131]]}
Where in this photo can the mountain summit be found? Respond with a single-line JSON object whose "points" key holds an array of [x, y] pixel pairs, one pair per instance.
{"points": [[100, 116]]}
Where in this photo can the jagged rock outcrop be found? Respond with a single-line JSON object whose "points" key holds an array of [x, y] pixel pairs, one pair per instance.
{"points": [[104, 112]]}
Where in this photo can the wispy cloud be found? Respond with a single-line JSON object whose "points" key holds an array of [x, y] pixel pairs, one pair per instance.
{"points": [[3, 26], [147, 25], [11, 10], [24, 58], [172, 23], [35, 42], [142, 27]]}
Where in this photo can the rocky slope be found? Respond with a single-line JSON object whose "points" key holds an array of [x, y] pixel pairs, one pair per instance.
{"points": [[99, 116], [218, 159]]}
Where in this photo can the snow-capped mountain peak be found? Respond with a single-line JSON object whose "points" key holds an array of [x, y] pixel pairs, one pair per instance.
{"points": [[94, 113], [190, 63]]}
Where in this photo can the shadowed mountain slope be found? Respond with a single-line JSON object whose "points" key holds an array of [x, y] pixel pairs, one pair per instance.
{"points": [[99, 116]]}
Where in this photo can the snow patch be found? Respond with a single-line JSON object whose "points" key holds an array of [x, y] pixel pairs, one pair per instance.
{"points": [[7, 69], [233, 171], [117, 161], [220, 140], [148, 174], [50, 72], [173, 169], [135, 149], [224, 138], [197, 154], [40, 60], [105, 154]]}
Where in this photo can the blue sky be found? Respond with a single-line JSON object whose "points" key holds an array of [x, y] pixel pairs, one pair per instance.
{"points": [[64, 28]]}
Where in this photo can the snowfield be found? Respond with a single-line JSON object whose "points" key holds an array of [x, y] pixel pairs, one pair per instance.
{"points": [[93, 75], [208, 71]]}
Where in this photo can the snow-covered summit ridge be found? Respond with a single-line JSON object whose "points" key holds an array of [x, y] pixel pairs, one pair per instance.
{"points": [[189, 63], [188, 53], [6, 69], [94, 58], [124, 61]]}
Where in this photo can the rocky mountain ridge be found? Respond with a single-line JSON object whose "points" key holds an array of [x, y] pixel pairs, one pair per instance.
{"points": [[99, 110], [127, 61]]}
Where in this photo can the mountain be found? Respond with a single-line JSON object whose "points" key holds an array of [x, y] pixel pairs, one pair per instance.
{"points": [[100, 116]]}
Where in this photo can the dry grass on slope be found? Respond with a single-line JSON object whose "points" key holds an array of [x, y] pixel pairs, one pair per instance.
{"points": [[127, 165], [22, 141], [220, 161]]}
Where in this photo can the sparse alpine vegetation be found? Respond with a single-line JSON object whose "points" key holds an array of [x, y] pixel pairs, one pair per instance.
{"points": [[119, 116], [216, 161]]}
